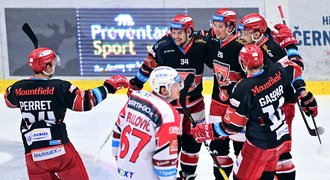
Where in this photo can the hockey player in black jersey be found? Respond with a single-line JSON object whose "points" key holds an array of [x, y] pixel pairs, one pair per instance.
{"points": [[43, 102], [256, 103], [224, 46], [253, 29], [186, 53]]}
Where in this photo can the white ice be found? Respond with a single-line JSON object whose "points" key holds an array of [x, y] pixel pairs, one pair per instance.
{"points": [[88, 130]]}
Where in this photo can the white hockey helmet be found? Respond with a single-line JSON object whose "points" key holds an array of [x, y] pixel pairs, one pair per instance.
{"points": [[164, 76]]}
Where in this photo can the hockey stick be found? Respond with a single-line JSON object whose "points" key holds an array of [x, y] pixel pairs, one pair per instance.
{"points": [[318, 130], [313, 132], [101, 147], [28, 31], [281, 13], [183, 94]]}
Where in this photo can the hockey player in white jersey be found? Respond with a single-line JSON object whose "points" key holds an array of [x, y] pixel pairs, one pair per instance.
{"points": [[145, 141]]}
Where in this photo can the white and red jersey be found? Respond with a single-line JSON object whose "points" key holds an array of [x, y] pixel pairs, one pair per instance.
{"points": [[145, 138]]}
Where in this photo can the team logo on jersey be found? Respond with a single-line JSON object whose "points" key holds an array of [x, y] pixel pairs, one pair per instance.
{"points": [[224, 96], [221, 72]]}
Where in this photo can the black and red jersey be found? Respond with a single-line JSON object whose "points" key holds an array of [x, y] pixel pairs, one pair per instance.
{"points": [[43, 104], [273, 53], [226, 68], [190, 59], [256, 103]]}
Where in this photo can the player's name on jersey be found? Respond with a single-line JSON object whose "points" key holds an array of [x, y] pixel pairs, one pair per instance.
{"points": [[138, 121], [35, 105], [271, 97]]}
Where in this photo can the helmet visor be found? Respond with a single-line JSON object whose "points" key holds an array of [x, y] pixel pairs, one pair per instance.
{"points": [[179, 79]]}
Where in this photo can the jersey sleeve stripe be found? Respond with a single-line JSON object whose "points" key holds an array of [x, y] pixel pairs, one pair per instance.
{"points": [[97, 94], [141, 77]]}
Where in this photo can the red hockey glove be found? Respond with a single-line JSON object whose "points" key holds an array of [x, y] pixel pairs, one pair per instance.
{"points": [[309, 105], [284, 36], [133, 85], [115, 83], [150, 62], [203, 132]]}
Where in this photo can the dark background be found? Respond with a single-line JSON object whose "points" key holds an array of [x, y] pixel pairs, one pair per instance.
{"points": [[59, 29]]}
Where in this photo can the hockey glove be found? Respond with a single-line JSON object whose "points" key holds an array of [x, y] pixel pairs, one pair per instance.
{"points": [[134, 85], [115, 83], [309, 105], [203, 132], [284, 36]]}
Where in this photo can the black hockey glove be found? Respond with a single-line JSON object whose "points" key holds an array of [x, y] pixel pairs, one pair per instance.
{"points": [[309, 105]]}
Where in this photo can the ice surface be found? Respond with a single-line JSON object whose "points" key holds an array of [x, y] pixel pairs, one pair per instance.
{"points": [[87, 131]]}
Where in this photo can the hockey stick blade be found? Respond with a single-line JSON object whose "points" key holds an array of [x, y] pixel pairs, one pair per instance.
{"points": [[317, 132], [183, 95], [28, 31], [313, 132]]}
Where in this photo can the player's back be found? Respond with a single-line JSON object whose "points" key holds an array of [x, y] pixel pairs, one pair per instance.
{"points": [[146, 137], [40, 99], [263, 96], [43, 105]]}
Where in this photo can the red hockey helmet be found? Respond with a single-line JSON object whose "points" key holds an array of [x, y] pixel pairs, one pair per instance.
{"points": [[253, 22], [41, 57], [251, 56], [181, 21], [225, 15]]}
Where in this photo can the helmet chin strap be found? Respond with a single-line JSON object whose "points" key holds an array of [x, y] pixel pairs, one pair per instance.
{"points": [[228, 34], [189, 37], [257, 40], [51, 73]]}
